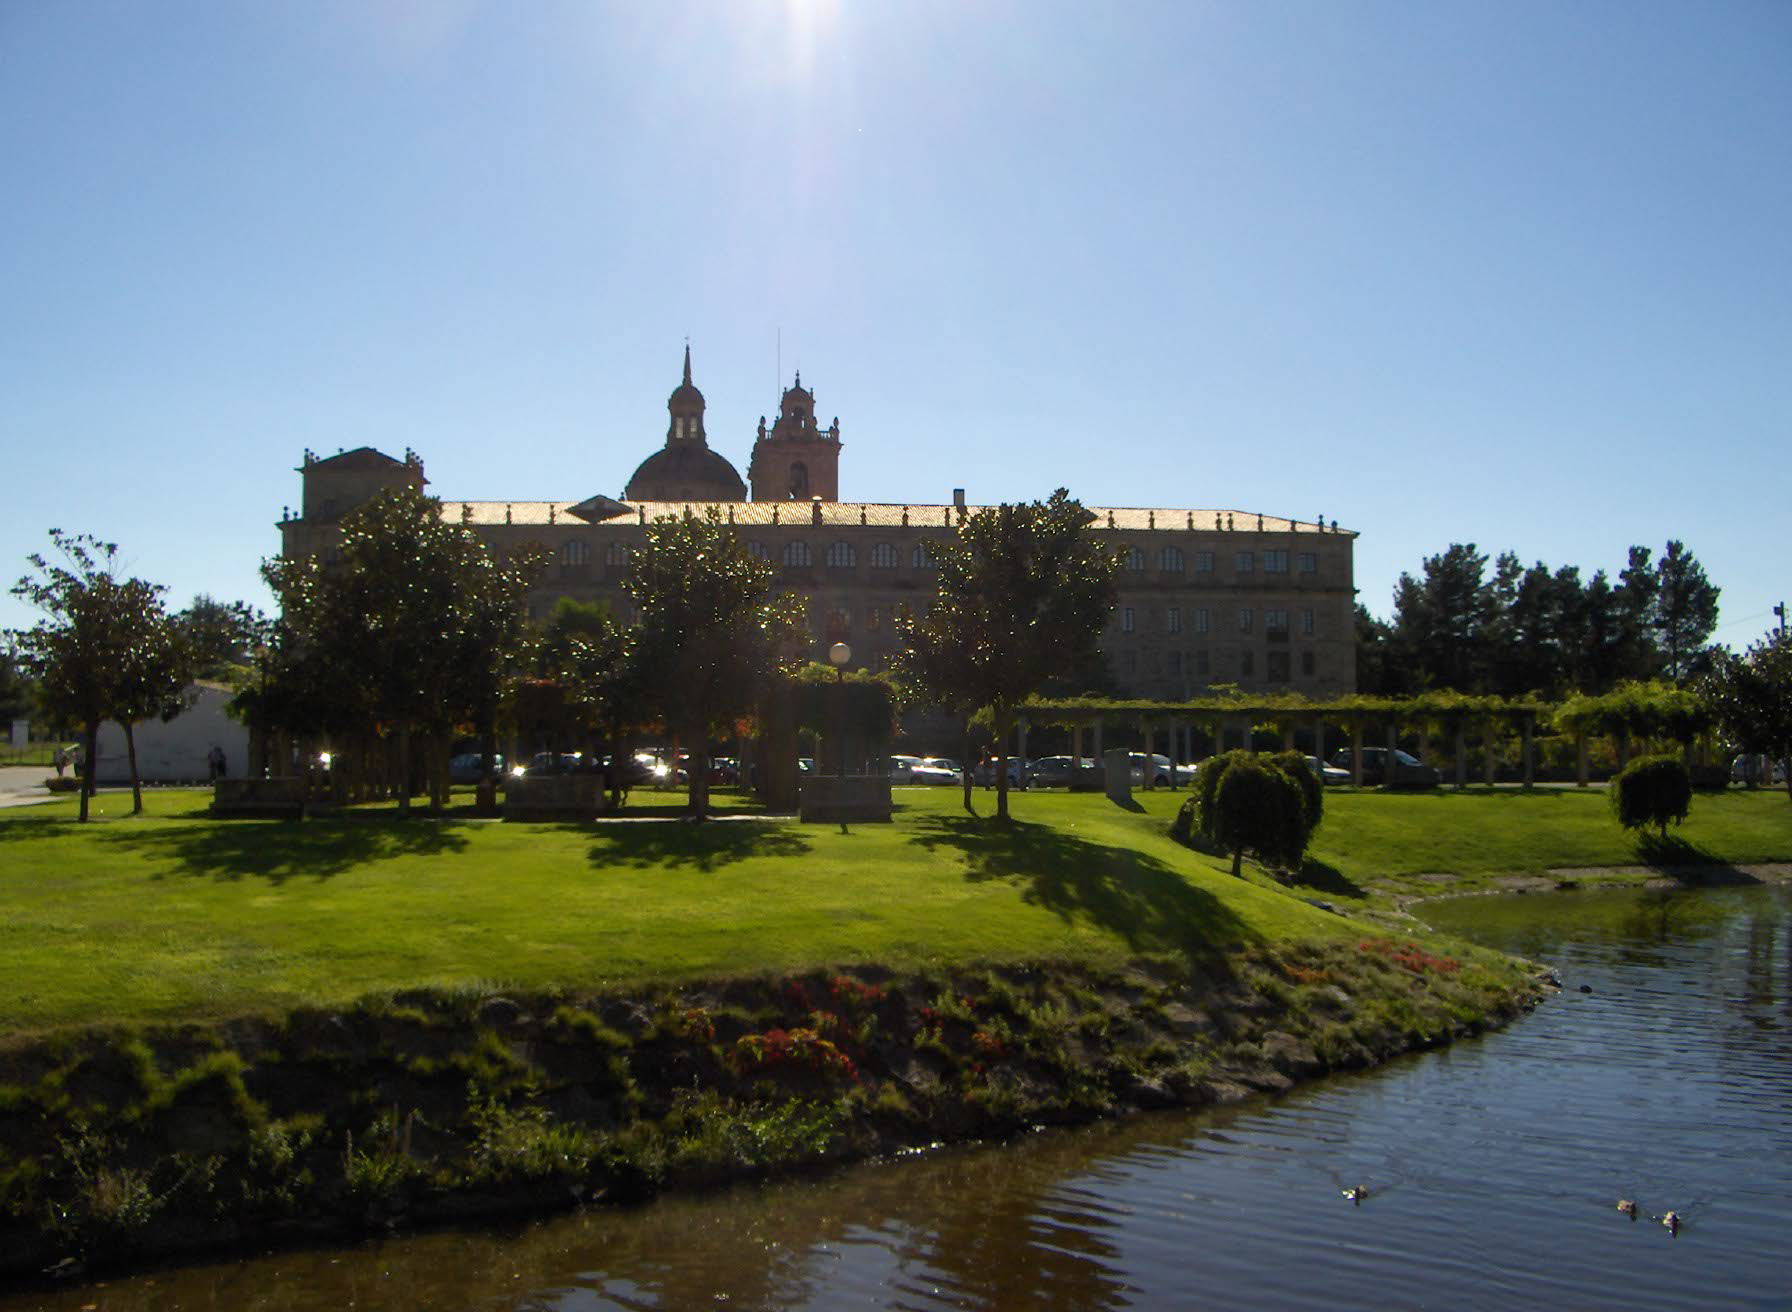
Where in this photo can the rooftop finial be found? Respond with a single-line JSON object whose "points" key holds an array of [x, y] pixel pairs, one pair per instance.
{"points": [[687, 361]]}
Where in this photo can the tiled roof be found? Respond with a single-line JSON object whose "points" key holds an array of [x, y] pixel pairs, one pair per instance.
{"points": [[1131, 519]]}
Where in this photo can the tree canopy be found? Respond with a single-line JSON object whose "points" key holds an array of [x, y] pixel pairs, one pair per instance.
{"points": [[1024, 592], [1751, 696], [710, 632]]}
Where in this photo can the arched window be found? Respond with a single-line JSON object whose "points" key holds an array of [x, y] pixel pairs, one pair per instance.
{"points": [[883, 556], [1169, 560], [799, 480], [575, 552], [756, 550], [923, 555], [841, 553], [796, 553], [1135, 559], [616, 553]]}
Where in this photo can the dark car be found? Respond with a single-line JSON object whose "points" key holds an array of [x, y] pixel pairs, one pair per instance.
{"points": [[1409, 771], [469, 767]]}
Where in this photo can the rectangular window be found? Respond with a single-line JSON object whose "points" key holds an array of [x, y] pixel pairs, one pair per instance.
{"points": [[1247, 664], [1277, 667], [1309, 563], [1306, 622], [1306, 662], [1173, 619], [1127, 621], [1245, 562], [1203, 562], [1275, 562], [1201, 619], [1275, 621], [1247, 619]]}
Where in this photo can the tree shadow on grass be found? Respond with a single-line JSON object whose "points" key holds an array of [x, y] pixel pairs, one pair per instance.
{"points": [[279, 850], [1325, 878], [704, 847], [1131, 894], [1688, 863]]}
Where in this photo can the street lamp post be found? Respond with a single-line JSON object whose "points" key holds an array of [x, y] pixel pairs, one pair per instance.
{"points": [[838, 655]]}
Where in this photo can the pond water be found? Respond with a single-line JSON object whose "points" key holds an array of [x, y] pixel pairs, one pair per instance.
{"points": [[1493, 1169]]}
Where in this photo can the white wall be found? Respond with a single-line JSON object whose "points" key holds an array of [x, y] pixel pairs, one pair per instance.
{"points": [[176, 752]]}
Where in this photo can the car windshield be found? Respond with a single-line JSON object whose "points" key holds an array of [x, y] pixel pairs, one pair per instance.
{"points": [[1404, 759], [939, 763]]}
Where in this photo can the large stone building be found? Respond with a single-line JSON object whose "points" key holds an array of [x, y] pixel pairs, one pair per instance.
{"points": [[1207, 596]]}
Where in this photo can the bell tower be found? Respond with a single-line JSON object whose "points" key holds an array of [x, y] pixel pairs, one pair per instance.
{"points": [[796, 459]]}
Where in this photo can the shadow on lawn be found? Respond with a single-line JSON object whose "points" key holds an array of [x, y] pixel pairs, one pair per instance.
{"points": [[281, 850], [1124, 891], [1687, 862], [1326, 879], [704, 847]]}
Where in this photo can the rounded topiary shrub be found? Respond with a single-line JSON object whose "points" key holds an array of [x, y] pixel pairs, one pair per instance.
{"points": [[1259, 809], [1312, 789], [1652, 790]]}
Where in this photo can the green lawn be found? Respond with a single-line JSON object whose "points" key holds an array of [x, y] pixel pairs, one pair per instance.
{"points": [[175, 914]]}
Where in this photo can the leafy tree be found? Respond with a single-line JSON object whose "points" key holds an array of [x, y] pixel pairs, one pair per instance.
{"points": [[1683, 614], [15, 689], [1379, 671], [710, 632], [412, 629], [79, 650], [1751, 697], [153, 670], [221, 637], [1023, 594], [1652, 790]]}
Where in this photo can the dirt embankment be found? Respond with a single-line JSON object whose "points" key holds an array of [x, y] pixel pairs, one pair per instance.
{"points": [[120, 1145]]}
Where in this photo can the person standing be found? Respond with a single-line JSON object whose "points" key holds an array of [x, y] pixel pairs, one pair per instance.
{"points": [[214, 760], [60, 760]]}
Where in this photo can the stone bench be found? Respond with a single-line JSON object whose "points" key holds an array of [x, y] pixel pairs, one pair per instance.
{"points": [[555, 797], [257, 798], [836, 799]]}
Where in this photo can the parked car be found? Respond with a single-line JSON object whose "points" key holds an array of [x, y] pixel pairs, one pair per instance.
{"points": [[469, 767], [1409, 771], [902, 769], [555, 762], [1747, 770], [983, 774], [1329, 775], [1164, 773], [1056, 771], [937, 770]]}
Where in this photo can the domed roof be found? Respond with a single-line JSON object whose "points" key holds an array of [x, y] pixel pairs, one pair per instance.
{"points": [[686, 471]]}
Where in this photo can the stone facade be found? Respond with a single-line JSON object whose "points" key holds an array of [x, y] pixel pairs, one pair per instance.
{"points": [[1207, 597]]}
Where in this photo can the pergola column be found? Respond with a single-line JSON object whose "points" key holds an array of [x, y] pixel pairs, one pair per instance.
{"points": [[1530, 762], [1461, 757], [1319, 739], [1487, 751], [1387, 767], [1076, 745], [1249, 735], [1580, 757], [1146, 772], [1356, 753], [1098, 756]]}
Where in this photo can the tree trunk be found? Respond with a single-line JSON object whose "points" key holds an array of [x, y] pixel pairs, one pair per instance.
{"points": [[404, 768], [1238, 863], [1004, 724], [964, 759], [130, 750], [90, 746]]}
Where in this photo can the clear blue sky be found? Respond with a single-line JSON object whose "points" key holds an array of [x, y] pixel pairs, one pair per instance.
{"points": [[1511, 273]]}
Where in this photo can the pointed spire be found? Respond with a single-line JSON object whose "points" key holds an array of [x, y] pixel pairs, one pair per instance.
{"points": [[687, 362]]}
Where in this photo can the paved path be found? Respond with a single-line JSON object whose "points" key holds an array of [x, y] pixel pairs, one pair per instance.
{"points": [[21, 785]]}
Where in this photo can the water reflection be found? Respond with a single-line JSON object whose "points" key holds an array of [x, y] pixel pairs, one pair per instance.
{"points": [[1494, 1167]]}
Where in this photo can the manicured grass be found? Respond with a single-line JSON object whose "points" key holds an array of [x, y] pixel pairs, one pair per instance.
{"points": [[1372, 839], [176, 914]]}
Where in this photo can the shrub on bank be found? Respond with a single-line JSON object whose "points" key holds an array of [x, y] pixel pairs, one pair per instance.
{"points": [[1652, 790], [1270, 809]]}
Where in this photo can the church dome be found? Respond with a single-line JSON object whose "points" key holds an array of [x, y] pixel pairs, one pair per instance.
{"points": [[686, 471]]}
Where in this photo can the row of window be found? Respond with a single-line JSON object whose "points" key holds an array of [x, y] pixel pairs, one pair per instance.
{"points": [[841, 554], [1170, 560], [1274, 621], [1278, 666]]}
